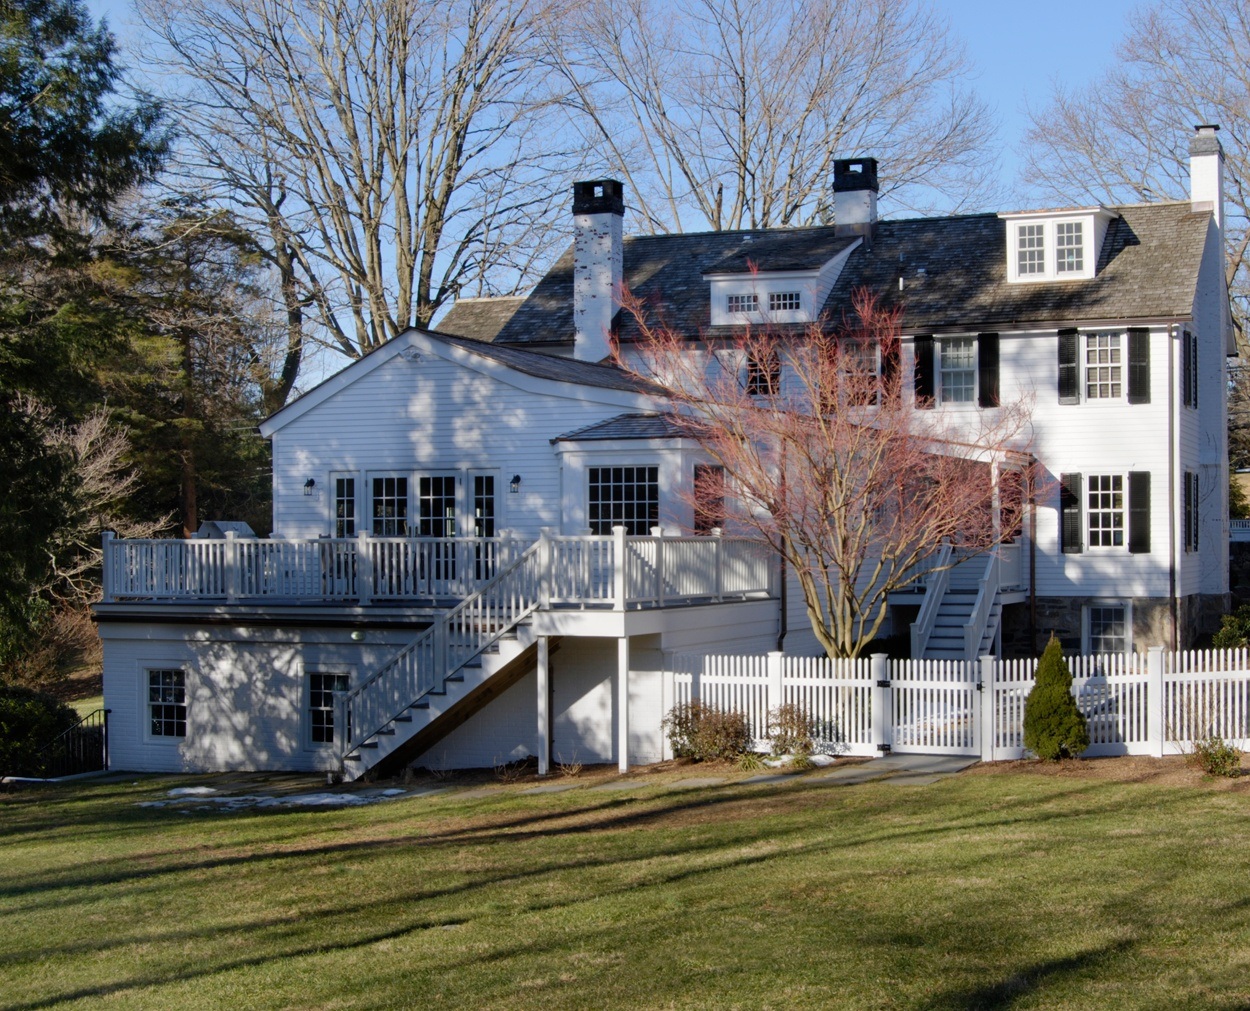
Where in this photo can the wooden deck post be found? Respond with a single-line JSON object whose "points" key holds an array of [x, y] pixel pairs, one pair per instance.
{"points": [[544, 706], [232, 568], [622, 700], [364, 568]]}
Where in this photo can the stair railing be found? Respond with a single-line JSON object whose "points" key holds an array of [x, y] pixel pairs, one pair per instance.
{"points": [[936, 583], [987, 593], [455, 638]]}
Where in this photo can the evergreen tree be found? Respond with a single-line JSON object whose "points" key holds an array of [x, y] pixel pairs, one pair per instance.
{"points": [[1053, 726]]}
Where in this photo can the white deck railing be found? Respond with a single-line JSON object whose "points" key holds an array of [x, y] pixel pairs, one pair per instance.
{"points": [[582, 571]]}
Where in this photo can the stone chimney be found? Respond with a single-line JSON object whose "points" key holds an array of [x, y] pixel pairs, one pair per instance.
{"points": [[854, 196], [1206, 172], [598, 212]]}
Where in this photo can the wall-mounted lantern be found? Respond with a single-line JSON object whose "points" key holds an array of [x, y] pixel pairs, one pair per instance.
{"points": [[309, 485], [514, 485]]}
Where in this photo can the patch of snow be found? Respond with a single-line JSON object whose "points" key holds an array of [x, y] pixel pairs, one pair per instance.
{"points": [[192, 791]]}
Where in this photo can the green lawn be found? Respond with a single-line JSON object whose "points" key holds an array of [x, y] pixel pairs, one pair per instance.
{"points": [[982, 891]]}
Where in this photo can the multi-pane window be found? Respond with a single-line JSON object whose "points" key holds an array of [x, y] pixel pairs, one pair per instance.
{"points": [[483, 523], [626, 497], [1103, 366], [167, 702], [1108, 628], [743, 303], [1105, 510], [958, 372], [1069, 248], [782, 301], [1031, 249], [344, 507], [321, 691], [763, 372], [390, 506], [436, 506], [709, 497]]}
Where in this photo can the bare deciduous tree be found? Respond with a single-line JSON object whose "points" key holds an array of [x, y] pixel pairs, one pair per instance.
{"points": [[825, 459], [1126, 138], [728, 114], [389, 149]]}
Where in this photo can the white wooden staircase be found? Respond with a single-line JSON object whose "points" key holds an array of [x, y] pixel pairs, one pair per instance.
{"points": [[468, 656], [961, 611]]}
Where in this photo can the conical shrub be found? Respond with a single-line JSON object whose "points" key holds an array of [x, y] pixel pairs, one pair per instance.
{"points": [[1053, 726]]}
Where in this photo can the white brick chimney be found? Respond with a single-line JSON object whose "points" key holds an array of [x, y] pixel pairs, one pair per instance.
{"points": [[854, 196], [1206, 172], [598, 213]]}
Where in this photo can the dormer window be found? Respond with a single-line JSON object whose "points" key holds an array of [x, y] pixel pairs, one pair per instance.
{"points": [[1055, 245], [1031, 249], [1069, 247], [784, 301], [743, 303]]}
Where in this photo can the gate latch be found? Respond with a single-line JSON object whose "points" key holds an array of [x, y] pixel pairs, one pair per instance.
{"points": [[980, 686], [885, 683]]}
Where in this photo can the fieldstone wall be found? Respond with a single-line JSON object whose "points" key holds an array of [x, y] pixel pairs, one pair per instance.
{"points": [[1198, 615]]}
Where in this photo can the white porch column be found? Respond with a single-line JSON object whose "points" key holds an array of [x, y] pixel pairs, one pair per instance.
{"points": [[619, 582], [622, 703], [544, 706]]}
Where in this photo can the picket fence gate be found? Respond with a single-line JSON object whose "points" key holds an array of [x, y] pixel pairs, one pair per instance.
{"points": [[1137, 704]]}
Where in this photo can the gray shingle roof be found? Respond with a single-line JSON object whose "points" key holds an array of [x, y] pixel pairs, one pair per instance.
{"points": [[1148, 268], [480, 318], [631, 426], [565, 370]]}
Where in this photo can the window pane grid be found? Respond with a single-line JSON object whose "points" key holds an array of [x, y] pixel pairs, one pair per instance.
{"points": [[1108, 629], [483, 505], [167, 703], [763, 373], [436, 505], [344, 507], [321, 689], [958, 371], [743, 303], [781, 301], [624, 496], [390, 506], [1106, 510], [1103, 366], [1030, 250], [1069, 247]]}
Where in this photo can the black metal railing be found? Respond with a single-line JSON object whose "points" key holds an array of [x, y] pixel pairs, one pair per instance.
{"points": [[84, 747]]}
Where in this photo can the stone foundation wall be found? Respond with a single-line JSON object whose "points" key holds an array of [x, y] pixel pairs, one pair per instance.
{"points": [[1198, 615]]}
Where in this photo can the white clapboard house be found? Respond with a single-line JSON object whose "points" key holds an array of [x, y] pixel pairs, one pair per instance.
{"points": [[482, 541]]}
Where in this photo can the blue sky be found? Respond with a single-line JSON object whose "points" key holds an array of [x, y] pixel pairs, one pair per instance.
{"points": [[1019, 50]]}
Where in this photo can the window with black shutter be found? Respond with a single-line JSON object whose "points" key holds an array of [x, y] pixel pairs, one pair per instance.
{"points": [[1069, 378], [987, 370], [1070, 526], [1138, 366]]}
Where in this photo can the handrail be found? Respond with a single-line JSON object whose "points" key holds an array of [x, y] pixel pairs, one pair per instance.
{"points": [[457, 636], [987, 593], [80, 748], [936, 583]]}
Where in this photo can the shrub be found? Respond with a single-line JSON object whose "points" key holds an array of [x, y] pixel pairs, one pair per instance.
{"points": [[792, 730], [29, 720], [1217, 757], [1234, 629], [706, 733], [1053, 726]]}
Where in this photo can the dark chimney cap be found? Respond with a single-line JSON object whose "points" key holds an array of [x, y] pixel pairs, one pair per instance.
{"points": [[851, 174], [599, 196], [1204, 140]]}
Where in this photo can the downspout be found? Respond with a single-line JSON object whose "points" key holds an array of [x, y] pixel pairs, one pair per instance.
{"points": [[1174, 452]]}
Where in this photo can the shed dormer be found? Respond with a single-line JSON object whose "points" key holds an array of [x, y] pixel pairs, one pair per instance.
{"points": [[1058, 245]]}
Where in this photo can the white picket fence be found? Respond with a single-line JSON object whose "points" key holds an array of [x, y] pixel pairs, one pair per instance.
{"points": [[1141, 704]]}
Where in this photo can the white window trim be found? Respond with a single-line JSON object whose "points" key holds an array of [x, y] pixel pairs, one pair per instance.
{"points": [[659, 485], [1083, 366], [1086, 637], [145, 707], [939, 390], [1087, 512], [367, 499], [306, 675], [1093, 222]]}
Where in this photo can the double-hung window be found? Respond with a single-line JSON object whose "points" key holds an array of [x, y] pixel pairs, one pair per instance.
{"points": [[1105, 511], [763, 372], [1104, 378], [1107, 629], [322, 689], [958, 373], [956, 370], [626, 497], [709, 497], [167, 702], [1104, 366], [1069, 247], [1031, 249]]}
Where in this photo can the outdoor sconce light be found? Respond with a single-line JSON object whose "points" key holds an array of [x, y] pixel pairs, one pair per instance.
{"points": [[309, 485], [514, 485]]}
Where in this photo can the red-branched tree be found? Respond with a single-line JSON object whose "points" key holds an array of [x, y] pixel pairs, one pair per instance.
{"points": [[827, 456]]}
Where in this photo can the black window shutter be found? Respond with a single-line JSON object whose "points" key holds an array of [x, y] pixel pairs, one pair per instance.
{"points": [[987, 370], [1187, 368], [1070, 527], [1193, 368], [1139, 512], [889, 364], [1069, 383], [924, 371], [1138, 366]]}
